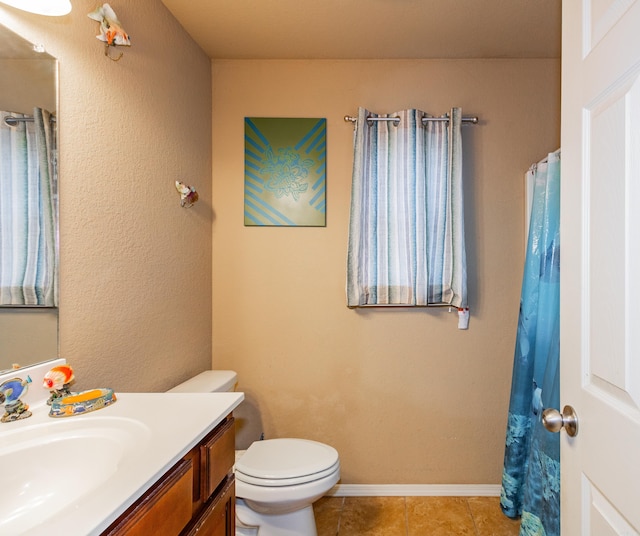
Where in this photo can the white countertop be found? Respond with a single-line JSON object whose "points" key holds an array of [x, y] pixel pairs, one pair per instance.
{"points": [[174, 423]]}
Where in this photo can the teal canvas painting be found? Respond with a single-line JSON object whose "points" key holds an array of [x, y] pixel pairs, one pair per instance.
{"points": [[285, 171]]}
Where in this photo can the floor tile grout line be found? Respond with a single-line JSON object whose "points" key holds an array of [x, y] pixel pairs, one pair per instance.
{"points": [[473, 518], [340, 515], [406, 517]]}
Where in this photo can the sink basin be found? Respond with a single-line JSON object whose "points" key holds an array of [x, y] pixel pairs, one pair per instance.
{"points": [[77, 475], [48, 466]]}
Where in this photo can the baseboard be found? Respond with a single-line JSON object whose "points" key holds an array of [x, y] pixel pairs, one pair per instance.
{"points": [[415, 490]]}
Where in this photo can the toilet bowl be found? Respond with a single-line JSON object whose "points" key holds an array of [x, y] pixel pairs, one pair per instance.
{"points": [[277, 480]]}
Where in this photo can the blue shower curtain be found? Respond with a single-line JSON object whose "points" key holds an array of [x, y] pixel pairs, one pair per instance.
{"points": [[531, 474]]}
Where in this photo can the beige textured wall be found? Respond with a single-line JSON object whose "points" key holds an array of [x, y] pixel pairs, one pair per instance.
{"points": [[403, 395], [27, 336], [27, 83], [135, 286]]}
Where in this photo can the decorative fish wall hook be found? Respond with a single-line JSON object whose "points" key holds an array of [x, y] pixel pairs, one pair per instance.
{"points": [[111, 31], [188, 194]]}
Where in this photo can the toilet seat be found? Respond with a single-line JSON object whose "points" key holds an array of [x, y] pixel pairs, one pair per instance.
{"points": [[286, 462]]}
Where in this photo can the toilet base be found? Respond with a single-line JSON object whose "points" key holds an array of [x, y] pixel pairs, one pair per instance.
{"points": [[242, 530], [298, 523]]}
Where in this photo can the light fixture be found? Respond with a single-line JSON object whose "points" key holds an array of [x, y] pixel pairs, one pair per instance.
{"points": [[52, 8]]}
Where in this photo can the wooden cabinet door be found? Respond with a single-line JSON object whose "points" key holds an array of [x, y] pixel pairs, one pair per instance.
{"points": [[164, 510], [218, 457], [218, 516]]}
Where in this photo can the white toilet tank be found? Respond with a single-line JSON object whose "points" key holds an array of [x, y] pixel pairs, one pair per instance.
{"points": [[209, 381]]}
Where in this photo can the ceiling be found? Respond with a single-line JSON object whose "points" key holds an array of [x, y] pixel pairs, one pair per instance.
{"points": [[372, 29]]}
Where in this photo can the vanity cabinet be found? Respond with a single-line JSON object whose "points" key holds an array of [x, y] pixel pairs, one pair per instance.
{"points": [[195, 497]]}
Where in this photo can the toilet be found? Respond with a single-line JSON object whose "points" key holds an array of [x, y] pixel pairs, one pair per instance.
{"points": [[277, 480]]}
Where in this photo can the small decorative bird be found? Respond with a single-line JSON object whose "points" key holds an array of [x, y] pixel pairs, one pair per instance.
{"points": [[188, 194], [57, 380], [10, 393]]}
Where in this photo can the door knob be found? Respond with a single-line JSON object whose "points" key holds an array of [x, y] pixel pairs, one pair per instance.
{"points": [[553, 420]]}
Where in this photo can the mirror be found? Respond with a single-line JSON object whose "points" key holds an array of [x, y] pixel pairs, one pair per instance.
{"points": [[28, 334]]}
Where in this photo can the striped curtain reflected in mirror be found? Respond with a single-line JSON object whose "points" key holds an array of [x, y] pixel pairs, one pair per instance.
{"points": [[28, 216]]}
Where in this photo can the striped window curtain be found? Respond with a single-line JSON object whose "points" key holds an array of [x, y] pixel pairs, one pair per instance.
{"points": [[28, 196], [406, 230]]}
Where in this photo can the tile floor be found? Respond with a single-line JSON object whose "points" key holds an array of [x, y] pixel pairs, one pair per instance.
{"points": [[412, 516]]}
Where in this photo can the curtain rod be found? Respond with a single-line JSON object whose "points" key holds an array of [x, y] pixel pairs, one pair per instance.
{"points": [[473, 120], [405, 306], [13, 121]]}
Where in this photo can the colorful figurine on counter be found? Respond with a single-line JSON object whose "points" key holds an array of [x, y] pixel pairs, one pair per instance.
{"points": [[10, 393], [57, 380]]}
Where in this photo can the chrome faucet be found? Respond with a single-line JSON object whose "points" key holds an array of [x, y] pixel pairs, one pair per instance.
{"points": [[10, 393]]}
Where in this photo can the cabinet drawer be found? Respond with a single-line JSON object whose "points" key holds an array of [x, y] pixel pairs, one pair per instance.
{"points": [[164, 510], [217, 457], [218, 516]]}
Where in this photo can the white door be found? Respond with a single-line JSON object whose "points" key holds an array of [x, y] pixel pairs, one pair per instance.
{"points": [[600, 256]]}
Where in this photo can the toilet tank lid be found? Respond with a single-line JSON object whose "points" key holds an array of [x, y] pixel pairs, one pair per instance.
{"points": [[209, 381]]}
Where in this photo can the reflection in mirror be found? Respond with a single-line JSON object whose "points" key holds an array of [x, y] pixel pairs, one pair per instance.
{"points": [[28, 294]]}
